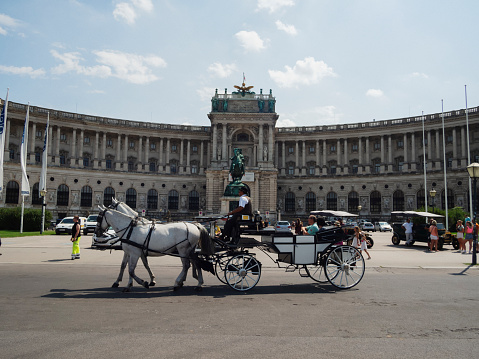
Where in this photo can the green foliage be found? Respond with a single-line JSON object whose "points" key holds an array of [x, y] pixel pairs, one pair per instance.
{"points": [[454, 214], [10, 219]]}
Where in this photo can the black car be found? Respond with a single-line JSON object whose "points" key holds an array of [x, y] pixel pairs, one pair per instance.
{"points": [[420, 233]]}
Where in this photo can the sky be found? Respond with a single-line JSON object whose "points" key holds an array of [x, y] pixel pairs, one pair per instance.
{"points": [[326, 61]]}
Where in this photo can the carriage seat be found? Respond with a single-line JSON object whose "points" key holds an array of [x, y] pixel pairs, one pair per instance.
{"points": [[330, 234]]}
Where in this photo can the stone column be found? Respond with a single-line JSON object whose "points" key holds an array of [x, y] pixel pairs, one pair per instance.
{"points": [[118, 152], [188, 156], [383, 156], [125, 154], [346, 164], [454, 148], [296, 165], [140, 153], [168, 149], [82, 142], [50, 141], [438, 147], [260, 144], [95, 150], [146, 160], [103, 151], [283, 159], [276, 155], [390, 154], [224, 150], [368, 162], [360, 155], [405, 165], [429, 154], [323, 164], [162, 163], [318, 166], [32, 143], [208, 154], [413, 152], [463, 145], [6, 154], [57, 146], [303, 159], [202, 161], [338, 157], [270, 145], [73, 156], [215, 150]]}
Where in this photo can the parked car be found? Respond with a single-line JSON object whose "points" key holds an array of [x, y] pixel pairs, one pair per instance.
{"points": [[283, 226], [90, 224], [368, 226], [108, 240], [383, 227], [421, 234], [66, 224]]}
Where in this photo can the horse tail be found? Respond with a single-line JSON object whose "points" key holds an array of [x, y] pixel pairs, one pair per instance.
{"points": [[205, 243]]}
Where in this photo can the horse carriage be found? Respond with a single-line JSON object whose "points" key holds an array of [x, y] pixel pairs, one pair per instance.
{"points": [[321, 257]]}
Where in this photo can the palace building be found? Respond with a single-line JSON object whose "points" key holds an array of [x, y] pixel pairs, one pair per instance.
{"points": [[369, 168]]}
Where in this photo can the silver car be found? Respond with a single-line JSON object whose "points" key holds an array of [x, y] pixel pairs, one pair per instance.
{"points": [[283, 226], [368, 226], [108, 240], [383, 227]]}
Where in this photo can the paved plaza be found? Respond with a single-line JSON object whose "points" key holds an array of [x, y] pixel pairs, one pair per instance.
{"points": [[410, 303]]}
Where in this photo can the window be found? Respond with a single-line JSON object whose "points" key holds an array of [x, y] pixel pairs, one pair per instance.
{"points": [[449, 139], [86, 140], [353, 202], [310, 202], [242, 137], [86, 196], [173, 199], [131, 197], [152, 146], [38, 134], [173, 167], [450, 199], [377, 167], [291, 169], [131, 166], [312, 149], [332, 169], [332, 148], [291, 150], [398, 200], [62, 159], [109, 142], [132, 144], [289, 203], [354, 147], [12, 154], [400, 144], [174, 148], [194, 169], [194, 201], [86, 162], [36, 199], [152, 167], [312, 170], [108, 195], [377, 146], [63, 194], [194, 149], [375, 200], [152, 200], [37, 157], [355, 169], [108, 163], [13, 191], [332, 201], [63, 137], [420, 199]]}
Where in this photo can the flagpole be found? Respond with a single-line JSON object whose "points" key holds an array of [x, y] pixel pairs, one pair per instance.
{"points": [[468, 155], [424, 162], [43, 177], [3, 128], [25, 190], [445, 163]]}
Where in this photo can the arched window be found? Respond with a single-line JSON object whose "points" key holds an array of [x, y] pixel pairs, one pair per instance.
{"points": [[13, 191], [108, 195], [450, 199], [332, 201], [63, 195], [152, 200], [194, 201], [310, 201], [290, 202], [173, 199], [131, 197], [242, 137], [36, 199], [353, 202], [86, 196], [398, 200], [420, 201], [375, 200]]}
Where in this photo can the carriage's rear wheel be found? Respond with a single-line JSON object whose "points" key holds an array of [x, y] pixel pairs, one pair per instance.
{"points": [[242, 272], [316, 271], [344, 267]]}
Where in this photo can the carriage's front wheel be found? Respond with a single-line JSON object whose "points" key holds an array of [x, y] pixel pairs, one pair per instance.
{"points": [[344, 267], [220, 267], [316, 271], [243, 272]]}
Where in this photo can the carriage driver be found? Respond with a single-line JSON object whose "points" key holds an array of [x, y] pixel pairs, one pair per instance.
{"points": [[244, 207]]}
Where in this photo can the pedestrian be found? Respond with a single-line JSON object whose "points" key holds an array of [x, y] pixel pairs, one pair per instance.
{"points": [[469, 231], [434, 235], [76, 235], [460, 236], [408, 231], [360, 241], [298, 227]]}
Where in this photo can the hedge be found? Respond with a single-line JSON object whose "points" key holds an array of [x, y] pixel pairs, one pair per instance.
{"points": [[32, 219]]}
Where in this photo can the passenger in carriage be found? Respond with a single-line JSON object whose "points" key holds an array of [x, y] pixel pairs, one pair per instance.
{"points": [[315, 225], [244, 207]]}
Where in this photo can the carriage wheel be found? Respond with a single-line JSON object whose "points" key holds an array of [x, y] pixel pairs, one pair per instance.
{"points": [[220, 267], [242, 272], [316, 272], [344, 267]]}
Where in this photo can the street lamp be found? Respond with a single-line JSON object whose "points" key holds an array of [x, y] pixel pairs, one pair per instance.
{"points": [[473, 170], [432, 193], [359, 211]]}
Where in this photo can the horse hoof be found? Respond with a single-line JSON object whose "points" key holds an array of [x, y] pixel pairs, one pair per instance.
{"points": [[115, 285], [152, 284], [126, 290], [176, 289], [146, 285], [198, 289]]}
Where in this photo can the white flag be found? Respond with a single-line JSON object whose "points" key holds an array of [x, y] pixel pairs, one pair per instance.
{"points": [[23, 156], [43, 176], [3, 126]]}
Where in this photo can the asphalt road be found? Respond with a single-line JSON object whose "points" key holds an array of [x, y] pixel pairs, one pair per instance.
{"points": [[410, 304]]}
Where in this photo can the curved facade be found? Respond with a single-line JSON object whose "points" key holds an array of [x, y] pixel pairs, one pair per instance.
{"points": [[181, 170]]}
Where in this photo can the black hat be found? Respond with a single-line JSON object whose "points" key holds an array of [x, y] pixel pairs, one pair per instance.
{"points": [[243, 189]]}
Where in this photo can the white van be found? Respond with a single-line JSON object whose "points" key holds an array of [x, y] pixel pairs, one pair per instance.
{"points": [[65, 226]]}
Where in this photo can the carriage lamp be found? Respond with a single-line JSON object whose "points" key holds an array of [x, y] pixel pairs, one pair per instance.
{"points": [[432, 193], [473, 170]]}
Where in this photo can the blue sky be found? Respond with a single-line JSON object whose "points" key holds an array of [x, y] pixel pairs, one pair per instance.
{"points": [[326, 62]]}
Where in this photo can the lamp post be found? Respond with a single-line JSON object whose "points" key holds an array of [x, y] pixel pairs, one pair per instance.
{"points": [[432, 193], [473, 170], [359, 211]]}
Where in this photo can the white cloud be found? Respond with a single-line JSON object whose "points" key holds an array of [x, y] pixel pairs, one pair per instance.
{"points": [[304, 72], [220, 70], [374, 93], [130, 67], [250, 40], [316, 116], [7, 22], [26, 70], [97, 92], [145, 5], [419, 75], [289, 29], [285, 123], [273, 5], [128, 12], [206, 93]]}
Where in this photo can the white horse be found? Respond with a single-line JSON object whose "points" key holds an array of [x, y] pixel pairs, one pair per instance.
{"points": [[179, 238], [124, 208]]}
